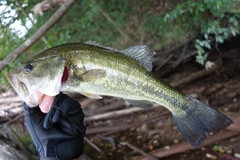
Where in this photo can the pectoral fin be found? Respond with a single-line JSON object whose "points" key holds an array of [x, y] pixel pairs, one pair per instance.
{"points": [[92, 75], [139, 103]]}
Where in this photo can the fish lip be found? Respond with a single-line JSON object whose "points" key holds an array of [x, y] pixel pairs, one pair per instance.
{"points": [[12, 78], [17, 84]]}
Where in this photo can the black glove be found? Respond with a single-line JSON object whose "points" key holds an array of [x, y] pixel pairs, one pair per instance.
{"points": [[59, 133]]}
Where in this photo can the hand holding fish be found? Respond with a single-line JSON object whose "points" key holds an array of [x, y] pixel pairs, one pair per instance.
{"points": [[59, 133]]}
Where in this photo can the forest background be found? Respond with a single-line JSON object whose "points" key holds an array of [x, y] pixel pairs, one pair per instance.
{"points": [[161, 24]]}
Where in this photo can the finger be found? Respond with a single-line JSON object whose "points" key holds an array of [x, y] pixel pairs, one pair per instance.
{"points": [[46, 103]]}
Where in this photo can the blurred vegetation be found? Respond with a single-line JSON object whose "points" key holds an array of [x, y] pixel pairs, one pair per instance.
{"points": [[122, 23]]}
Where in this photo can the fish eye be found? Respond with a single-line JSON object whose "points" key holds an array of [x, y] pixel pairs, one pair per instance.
{"points": [[28, 68]]}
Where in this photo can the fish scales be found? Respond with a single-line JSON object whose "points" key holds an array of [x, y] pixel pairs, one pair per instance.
{"points": [[120, 76]]}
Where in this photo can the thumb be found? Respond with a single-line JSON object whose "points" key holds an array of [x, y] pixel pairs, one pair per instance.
{"points": [[46, 103]]}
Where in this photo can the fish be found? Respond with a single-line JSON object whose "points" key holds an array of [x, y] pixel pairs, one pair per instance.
{"points": [[95, 71]]}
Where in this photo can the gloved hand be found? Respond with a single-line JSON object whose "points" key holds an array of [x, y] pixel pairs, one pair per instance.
{"points": [[59, 133]]}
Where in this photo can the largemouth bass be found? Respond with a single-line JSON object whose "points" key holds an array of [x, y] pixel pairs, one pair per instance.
{"points": [[94, 70]]}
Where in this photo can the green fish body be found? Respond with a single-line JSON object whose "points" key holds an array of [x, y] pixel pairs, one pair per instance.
{"points": [[94, 70]]}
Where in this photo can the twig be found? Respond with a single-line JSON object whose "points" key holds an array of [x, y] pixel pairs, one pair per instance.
{"points": [[109, 140], [110, 107], [95, 147], [216, 46], [226, 156], [13, 120], [116, 113], [234, 127], [95, 130], [164, 62], [125, 127], [7, 118], [87, 102], [148, 156], [112, 114], [10, 99], [46, 5], [30, 19], [115, 129], [109, 19], [236, 121], [175, 47], [38, 34], [182, 56], [190, 54]]}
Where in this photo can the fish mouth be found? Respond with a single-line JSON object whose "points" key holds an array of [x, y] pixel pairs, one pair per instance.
{"points": [[19, 86], [32, 98]]}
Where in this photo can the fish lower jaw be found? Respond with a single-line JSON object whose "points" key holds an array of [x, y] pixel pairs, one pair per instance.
{"points": [[34, 99]]}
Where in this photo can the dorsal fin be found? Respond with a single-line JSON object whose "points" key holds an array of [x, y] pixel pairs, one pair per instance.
{"points": [[142, 53]]}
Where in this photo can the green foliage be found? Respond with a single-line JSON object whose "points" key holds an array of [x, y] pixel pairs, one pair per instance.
{"points": [[211, 17]]}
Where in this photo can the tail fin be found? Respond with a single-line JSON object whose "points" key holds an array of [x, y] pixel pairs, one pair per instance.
{"points": [[199, 120]]}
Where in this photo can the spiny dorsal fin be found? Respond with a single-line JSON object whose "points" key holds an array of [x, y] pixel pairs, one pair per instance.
{"points": [[94, 43], [142, 53]]}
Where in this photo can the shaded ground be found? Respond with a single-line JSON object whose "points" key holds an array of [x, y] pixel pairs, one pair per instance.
{"points": [[119, 134]]}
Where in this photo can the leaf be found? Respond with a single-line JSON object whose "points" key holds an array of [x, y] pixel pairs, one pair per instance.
{"points": [[207, 45], [232, 30], [205, 36], [219, 39]]}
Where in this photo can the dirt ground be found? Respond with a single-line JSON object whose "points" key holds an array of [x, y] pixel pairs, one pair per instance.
{"points": [[120, 132]]}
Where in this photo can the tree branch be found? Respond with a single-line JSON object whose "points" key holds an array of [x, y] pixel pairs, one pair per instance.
{"points": [[35, 37], [194, 76]]}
